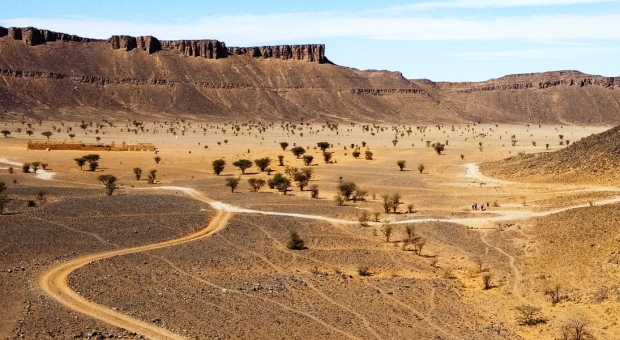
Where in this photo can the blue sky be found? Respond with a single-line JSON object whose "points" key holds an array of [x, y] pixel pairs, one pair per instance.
{"points": [[447, 40]]}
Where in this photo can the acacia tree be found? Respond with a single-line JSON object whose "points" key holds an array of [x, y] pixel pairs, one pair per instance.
{"points": [[302, 180], [138, 173], [281, 160], [279, 182], [218, 166], [80, 162], [327, 157], [47, 134], [308, 160], [152, 176], [298, 151], [110, 183], [401, 164], [439, 148], [284, 145], [243, 164], [262, 163], [92, 161], [346, 189], [157, 159], [323, 146], [256, 184], [6, 133], [232, 183]]}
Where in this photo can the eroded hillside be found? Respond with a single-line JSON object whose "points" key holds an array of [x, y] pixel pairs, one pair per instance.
{"points": [[51, 74]]}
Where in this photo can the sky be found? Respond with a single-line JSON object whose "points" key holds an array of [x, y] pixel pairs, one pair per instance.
{"points": [[447, 40]]}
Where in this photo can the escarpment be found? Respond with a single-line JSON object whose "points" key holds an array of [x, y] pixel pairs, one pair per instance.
{"points": [[205, 48], [45, 73], [542, 81]]}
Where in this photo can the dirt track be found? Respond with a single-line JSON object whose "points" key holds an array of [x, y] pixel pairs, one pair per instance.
{"points": [[55, 283]]}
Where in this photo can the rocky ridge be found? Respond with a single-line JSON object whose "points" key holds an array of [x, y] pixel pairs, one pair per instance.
{"points": [[594, 159], [45, 72], [209, 49]]}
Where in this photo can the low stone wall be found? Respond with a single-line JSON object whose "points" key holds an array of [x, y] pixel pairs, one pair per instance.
{"points": [[90, 147]]}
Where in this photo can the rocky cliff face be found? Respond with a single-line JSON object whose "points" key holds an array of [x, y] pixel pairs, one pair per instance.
{"points": [[34, 36], [121, 75], [209, 49]]}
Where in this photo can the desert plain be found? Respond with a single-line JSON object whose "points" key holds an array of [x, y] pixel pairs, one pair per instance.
{"points": [[186, 257]]}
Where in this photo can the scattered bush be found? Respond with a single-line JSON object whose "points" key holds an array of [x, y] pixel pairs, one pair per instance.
{"points": [[110, 183], [262, 163], [232, 183], [152, 175], [363, 271], [314, 191], [386, 230], [138, 173], [218, 166], [243, 164], [256, 184], [295, 242], [421, 168], [401, 164], [308, 160], [528, 315], [298, 151]]}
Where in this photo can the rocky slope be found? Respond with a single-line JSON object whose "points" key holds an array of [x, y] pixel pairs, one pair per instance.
{"points": [[593, 159], [50, 74]]}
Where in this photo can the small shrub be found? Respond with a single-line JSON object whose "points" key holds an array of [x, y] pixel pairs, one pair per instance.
{"points": [[363, 271], [528, 315], [486, 280], [295, 242], [421, 168], [314, 191], [386, 230], [401, 165]]}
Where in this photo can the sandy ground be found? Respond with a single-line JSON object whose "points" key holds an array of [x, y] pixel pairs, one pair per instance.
{"points": [[442, 197]]}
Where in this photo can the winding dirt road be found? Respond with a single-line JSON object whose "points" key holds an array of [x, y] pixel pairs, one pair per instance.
{"points": [[55, 283]]}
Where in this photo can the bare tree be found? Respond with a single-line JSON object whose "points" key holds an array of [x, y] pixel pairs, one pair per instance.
{"points": [[574, 328]]}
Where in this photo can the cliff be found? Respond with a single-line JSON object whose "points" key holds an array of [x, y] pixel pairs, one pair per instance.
{"points": [[45, 74], [209, 49]]}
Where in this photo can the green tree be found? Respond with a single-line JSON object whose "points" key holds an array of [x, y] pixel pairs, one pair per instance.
{"points": [[93, 166], [256, 184], [421, 168], [346, 189], [262, 163], [439, 148], [298, 151], [6, 133], [327, 157], [138, 173], [152, 175], [386, 230], [314, 191], [218, 166], [110, 183], [281, 160], [323, 146], [35, 166], [356, 153], [280, 182], [308, 160], [284, 145], [401, 164], [47, 134], [243, 164], [157, 159], [302, 180], [80, 162], [232, 183]]}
